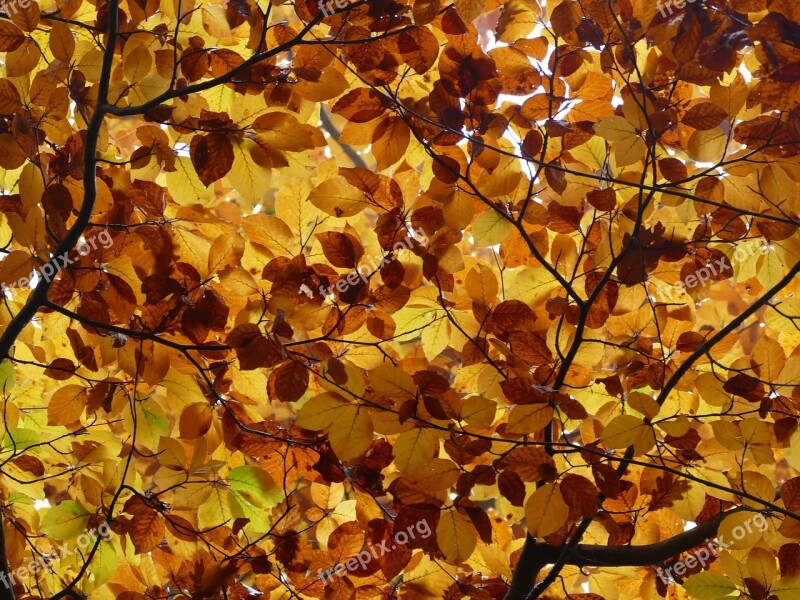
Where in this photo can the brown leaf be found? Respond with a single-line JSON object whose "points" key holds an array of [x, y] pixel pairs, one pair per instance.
{"points": [[790, 494], [60, 369], [253, 349], [689, 341], [673, 169], [481, 522], [149, 196], [513, 315], [519, 390], [530, 347], [195, 420], [703, 116], [288, 382], [529, 462], [146, 530], [571, 407], [26, 16], [223, 61], [745, 386], [11, 37], [603, 200], [556, 179], [566, 17], [580, 494], [425, 11], [511, 486], [532, 144], [563, 219], [360, 105], [607, 480], [341, 249], [419, 46], [789, 559], [10, 100], [30, 464], [212, 156], [345, 541]]}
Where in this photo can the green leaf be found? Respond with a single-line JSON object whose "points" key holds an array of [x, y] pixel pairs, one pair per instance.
{"points": [[7, 377], [65, 521], [491, 228], [786, 588], [709, 586], [532, 285], [104, 563], [412, 321], [220, 508], [19, 438], [255, 486], [259, 519], [151, 423], [18, 498]]}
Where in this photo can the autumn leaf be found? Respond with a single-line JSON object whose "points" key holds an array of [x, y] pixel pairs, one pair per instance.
{"points": [[565, 17], [400, 299], [627, 430], [456, 536], [7, 376], [288, 382], [147, 526], [469, 10], [66, 405], [341, 249], [705, 115], [545, 510], [255, 486], [195, 420], [212, 157], [337, 198], [491, 228], [11, 37], [65, 521], [709, 585], [531, 418]]}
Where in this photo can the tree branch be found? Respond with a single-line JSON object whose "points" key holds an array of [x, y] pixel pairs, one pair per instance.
{"points": [[536, 555], [328, 126], [39, 296]]}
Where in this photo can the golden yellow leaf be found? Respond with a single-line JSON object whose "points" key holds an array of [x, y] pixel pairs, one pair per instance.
{"points": [[545, 510], [456, 535], [627, 430]]}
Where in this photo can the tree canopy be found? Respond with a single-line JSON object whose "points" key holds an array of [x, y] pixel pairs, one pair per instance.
{"points": [[400, 299]]}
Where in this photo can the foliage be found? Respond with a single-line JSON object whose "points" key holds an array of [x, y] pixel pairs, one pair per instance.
{"points": [[410, 262]]}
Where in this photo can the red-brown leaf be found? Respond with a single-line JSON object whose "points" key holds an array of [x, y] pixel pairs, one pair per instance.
{"points": [[212, 156], [288, 382]]}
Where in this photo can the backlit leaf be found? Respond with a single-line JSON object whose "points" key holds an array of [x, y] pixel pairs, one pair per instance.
{"points": [[545, 510], [65, 521]]}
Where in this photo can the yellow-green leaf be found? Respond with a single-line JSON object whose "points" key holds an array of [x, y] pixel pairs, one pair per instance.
{"points": [[65, 521], [709, 586]]}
